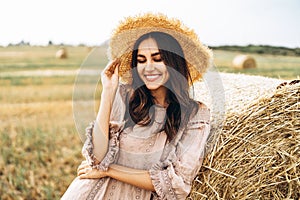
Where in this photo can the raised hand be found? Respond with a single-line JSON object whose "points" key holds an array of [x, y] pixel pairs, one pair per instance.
{"points": [[110, 75]]}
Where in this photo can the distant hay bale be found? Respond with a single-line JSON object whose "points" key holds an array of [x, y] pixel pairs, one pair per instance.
{"points": [[243, 62], [89, 49], [257, 153], [61, 53]]}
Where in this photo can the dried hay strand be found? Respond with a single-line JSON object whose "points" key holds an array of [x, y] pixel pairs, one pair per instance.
{"points": [[61, 53], [243, 62], [257, 154]]}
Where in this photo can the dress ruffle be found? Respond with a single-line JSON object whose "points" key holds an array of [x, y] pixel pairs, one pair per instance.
{"points": [[161, 182], [112, 152]]}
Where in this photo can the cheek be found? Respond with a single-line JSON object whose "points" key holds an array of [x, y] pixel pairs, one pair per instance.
{"points": [[166, 74], [140, 71]]}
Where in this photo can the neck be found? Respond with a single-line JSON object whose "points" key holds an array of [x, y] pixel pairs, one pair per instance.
{"points": [[160, 95]]}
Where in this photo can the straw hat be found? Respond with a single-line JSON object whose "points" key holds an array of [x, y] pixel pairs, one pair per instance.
{"points": [[198, 56]]}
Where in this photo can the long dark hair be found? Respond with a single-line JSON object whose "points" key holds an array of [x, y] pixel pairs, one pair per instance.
{"points": [[141, 100]]}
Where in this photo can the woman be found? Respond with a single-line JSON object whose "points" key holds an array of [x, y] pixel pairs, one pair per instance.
{"points": [[156, 132]]}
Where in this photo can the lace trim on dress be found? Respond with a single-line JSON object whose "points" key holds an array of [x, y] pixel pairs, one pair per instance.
{"points": [[161, 182], [198, 123], [113, 149], [95, 189]]}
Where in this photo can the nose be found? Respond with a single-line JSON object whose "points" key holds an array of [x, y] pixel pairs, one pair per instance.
{"points": [[149, 66]]}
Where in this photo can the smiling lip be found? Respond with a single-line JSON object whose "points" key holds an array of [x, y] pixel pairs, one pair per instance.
{"points": [[152, 77]]}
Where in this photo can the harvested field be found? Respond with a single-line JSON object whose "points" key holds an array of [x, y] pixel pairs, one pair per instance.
{"points": [[38, 161]]}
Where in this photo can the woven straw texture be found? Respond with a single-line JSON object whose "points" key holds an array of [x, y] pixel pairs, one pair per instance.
{"points": [[198, 56]]}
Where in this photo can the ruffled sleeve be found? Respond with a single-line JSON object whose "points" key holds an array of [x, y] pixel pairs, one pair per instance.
{"points": [[172, 178], [116, 125]]}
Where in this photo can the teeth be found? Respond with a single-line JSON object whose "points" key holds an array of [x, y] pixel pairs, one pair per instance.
{"points": [[152, 76]]}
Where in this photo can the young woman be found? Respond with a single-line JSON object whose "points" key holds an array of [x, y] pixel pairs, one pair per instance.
{"points": [[148, 139]]}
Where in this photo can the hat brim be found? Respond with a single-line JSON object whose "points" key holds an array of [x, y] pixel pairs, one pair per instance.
{"points": [[197, 55]]}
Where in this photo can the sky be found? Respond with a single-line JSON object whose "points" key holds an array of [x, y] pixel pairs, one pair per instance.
{"points": [[90, 22]]}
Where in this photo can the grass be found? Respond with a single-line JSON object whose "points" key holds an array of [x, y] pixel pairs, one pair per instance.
{"points": [[40, 145]]}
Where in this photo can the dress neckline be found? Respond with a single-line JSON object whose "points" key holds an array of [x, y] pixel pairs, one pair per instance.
{"points": [[160, 106]]}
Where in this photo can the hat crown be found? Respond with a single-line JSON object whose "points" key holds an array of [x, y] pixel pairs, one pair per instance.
{"points": [[121, 44]]}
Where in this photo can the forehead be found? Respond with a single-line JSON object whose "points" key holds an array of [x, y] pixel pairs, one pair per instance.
{"points": [[148, 45]]}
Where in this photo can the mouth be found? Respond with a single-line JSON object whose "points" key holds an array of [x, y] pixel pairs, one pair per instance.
{"points": [[152, 77]]}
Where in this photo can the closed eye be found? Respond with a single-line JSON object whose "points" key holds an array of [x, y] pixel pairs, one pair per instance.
{"points": [[157, 59], [141, 61]]}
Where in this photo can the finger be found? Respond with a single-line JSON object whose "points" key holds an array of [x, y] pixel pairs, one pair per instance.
{"points": [[82, 171], [106, 70], [83, 176], [84, 162], [82, 166], [116, 72], [88, 170], [113, 69], [109, 64], [85, 171]]}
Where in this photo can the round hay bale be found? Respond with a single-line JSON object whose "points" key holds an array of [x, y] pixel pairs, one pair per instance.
{"points": [[257, 154], [89, 49], [243, 62], [239, 91], [61, 53]]}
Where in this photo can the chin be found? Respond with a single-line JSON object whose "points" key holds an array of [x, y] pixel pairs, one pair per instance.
{"points": [[152, 87]]}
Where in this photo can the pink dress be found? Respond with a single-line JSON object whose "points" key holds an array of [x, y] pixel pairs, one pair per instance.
{"points": [[172, 165]]}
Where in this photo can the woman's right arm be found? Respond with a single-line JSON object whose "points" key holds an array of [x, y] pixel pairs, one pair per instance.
{"points": [[110, 81]]}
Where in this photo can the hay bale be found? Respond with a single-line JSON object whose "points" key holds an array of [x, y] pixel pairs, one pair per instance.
{"points": [[243, 62], [89, 49], [61, 53], [240, 89], [257, 154], [229, 95]]}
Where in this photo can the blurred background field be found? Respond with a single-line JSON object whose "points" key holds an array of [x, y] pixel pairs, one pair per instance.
{"points": [[40, 145]]}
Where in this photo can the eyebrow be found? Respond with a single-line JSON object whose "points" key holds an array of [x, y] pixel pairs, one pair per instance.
{"points": [[155, 54], [152, 55]]}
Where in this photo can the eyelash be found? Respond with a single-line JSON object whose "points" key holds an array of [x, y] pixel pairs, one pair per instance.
{"points": [[141, 61], [155, 60]]}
